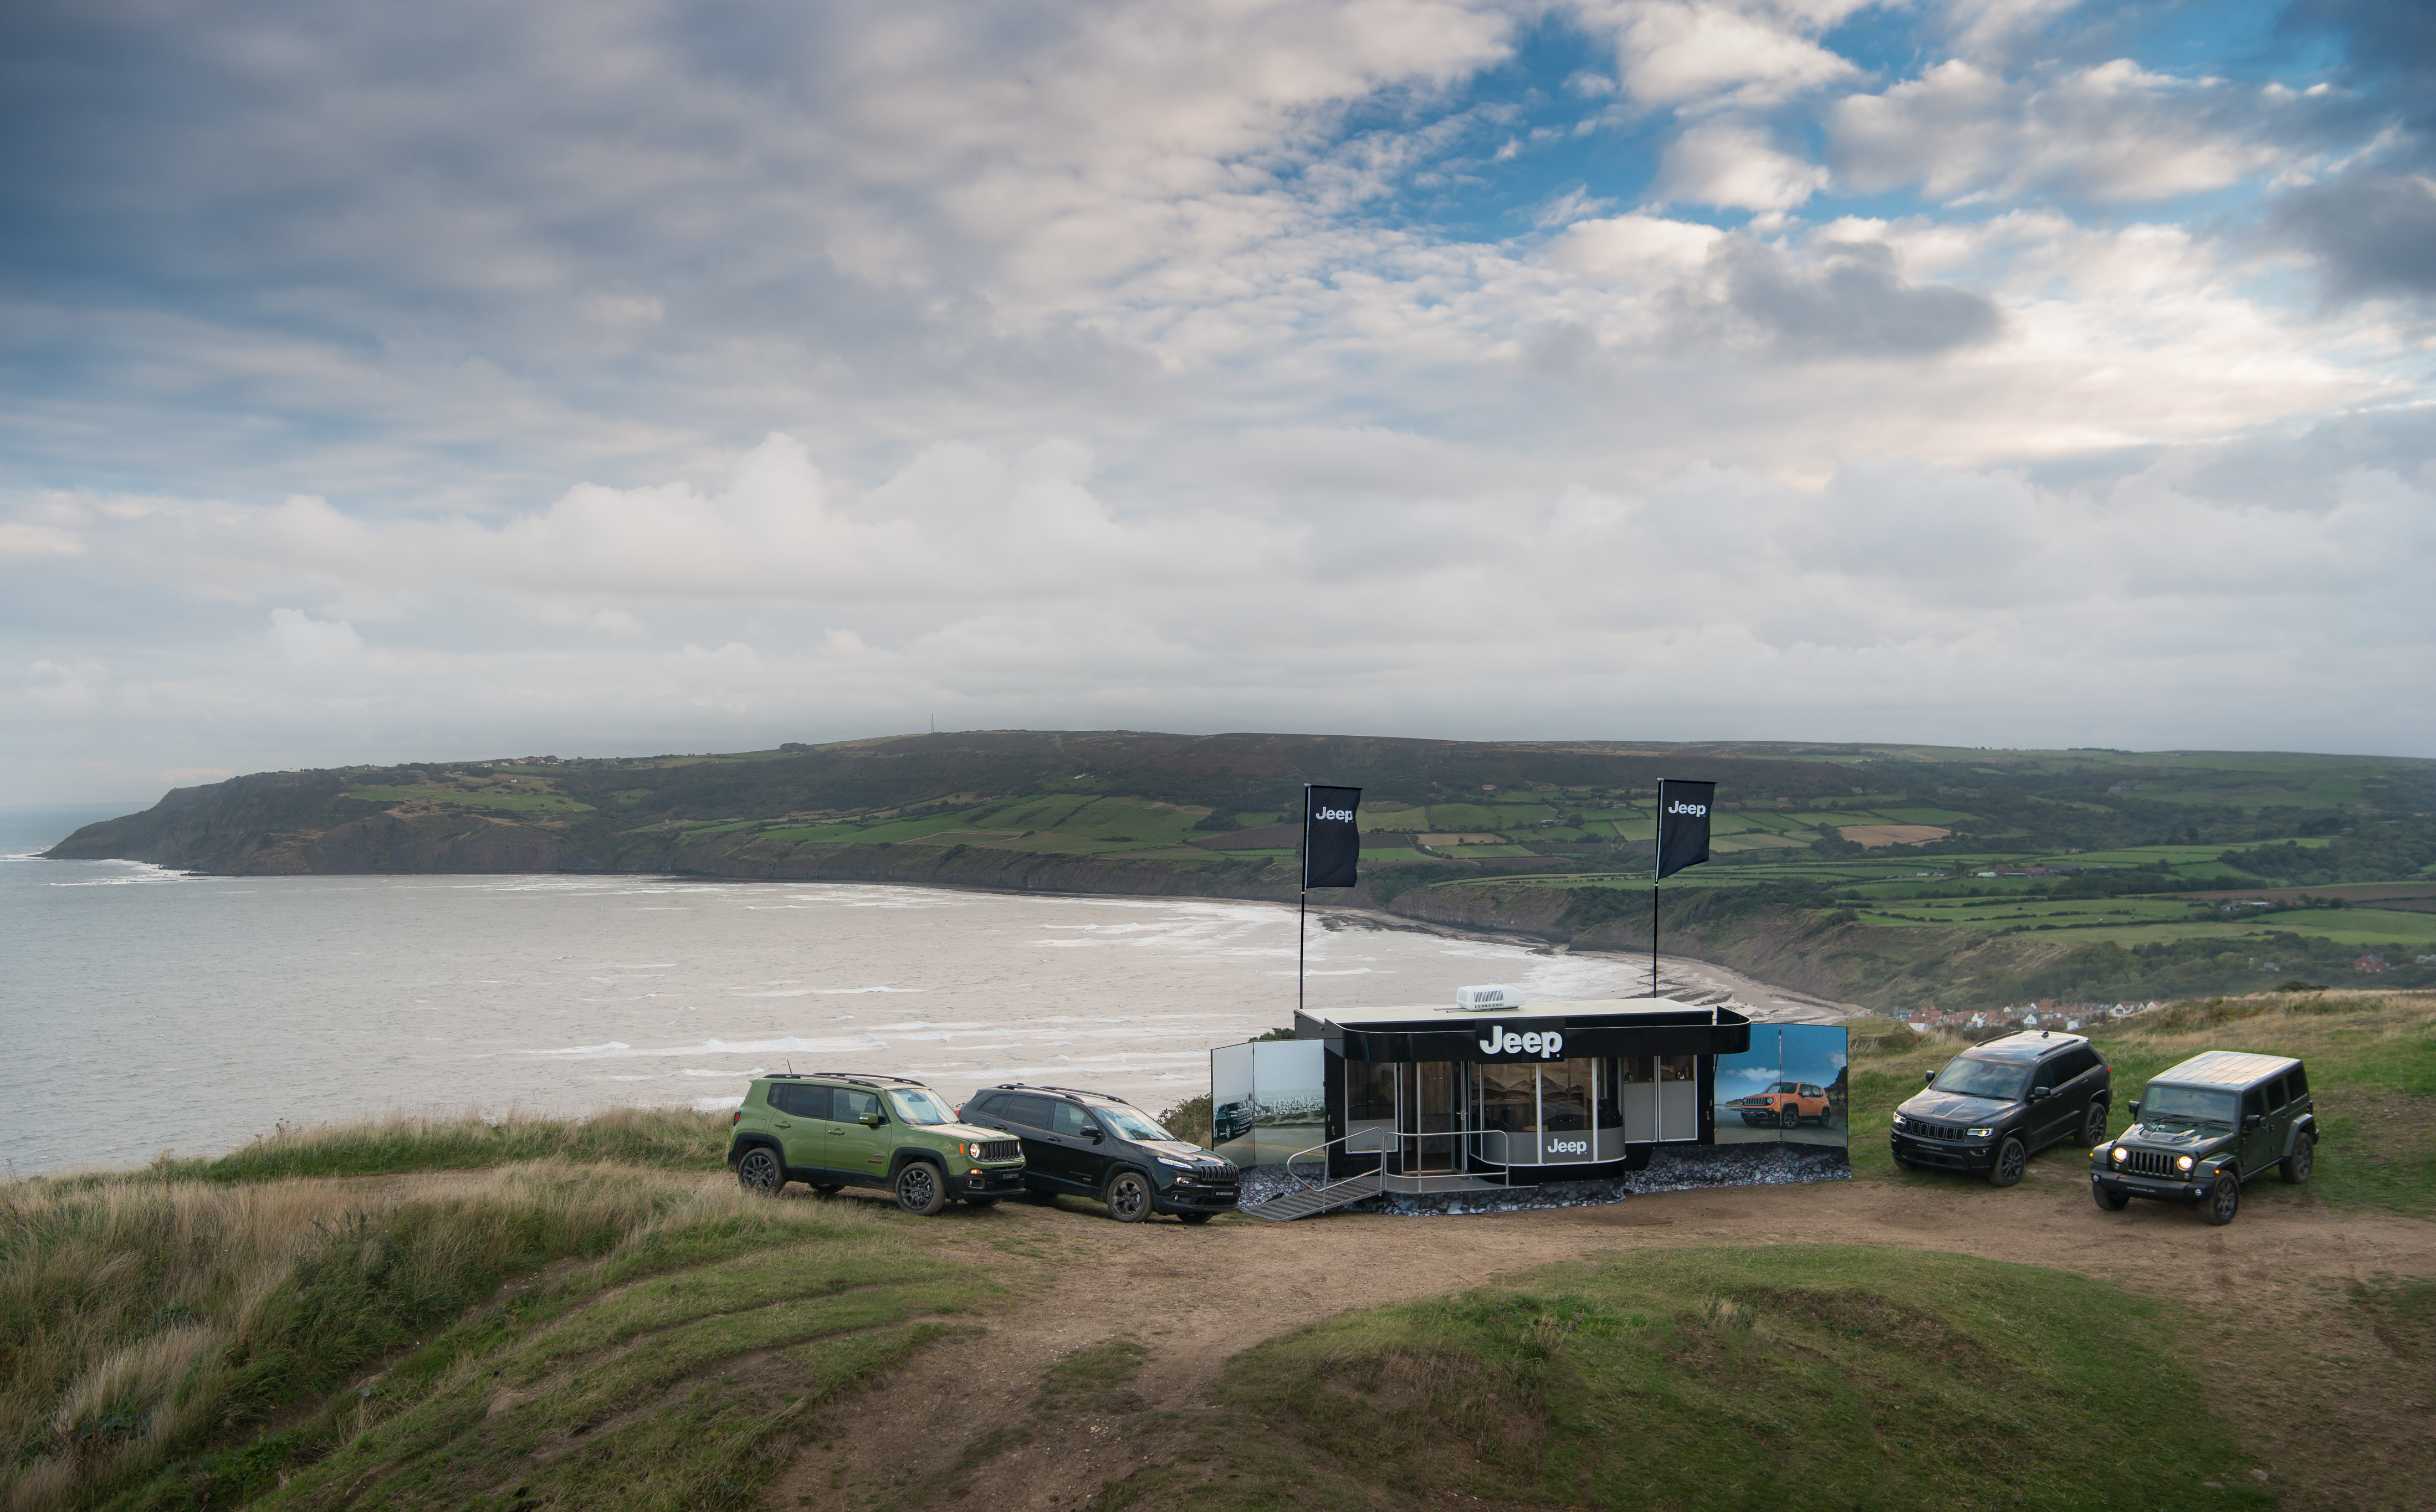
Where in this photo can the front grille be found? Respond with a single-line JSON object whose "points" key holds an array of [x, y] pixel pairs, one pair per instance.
{"points": [[2148, 1163], [1000, 1149], [1932, 1131]]}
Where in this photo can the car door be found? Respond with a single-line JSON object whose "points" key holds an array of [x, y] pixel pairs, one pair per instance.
{"points": [[2051, 1117], [800, 1115], [858, 1151], [2259, 1147], [1086, 1158], [1026, 1116]]}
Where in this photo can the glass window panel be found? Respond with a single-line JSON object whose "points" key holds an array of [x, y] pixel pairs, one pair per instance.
{"points": [[1639, 1068], [1565, 1095], [1071, 1120], [1508, 1094], [1609, 1116], [1674, 1068], [853, 1104], [1369, 1089]]}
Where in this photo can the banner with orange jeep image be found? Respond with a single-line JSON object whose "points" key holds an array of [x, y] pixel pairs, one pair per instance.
{"points": [[1787, 1089]]}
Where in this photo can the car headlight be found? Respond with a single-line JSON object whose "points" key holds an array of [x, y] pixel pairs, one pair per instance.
{"points": [[1982, 1133], [2121, 1155], [1900, 1123], [1180, 1165], [2184, 1162]]}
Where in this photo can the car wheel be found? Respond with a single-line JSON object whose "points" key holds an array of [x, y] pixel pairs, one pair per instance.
{"points": [[919, 1190], [2304, 1160], [1195, 1218], [759, 1172], [2093, 1128], [2113, 1202], [1788, 1118], [1127, 1196], [2012, 1156], [2223, 1200]]}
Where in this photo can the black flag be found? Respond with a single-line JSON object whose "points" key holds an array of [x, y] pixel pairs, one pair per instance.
{"points": [[1684, 824], [1330, 844]]}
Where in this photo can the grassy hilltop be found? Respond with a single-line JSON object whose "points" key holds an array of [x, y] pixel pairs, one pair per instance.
{"points": [[539, 1314], [1882, 874]]}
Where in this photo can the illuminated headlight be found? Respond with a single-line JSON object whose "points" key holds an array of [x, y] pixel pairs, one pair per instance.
{"points": [[2184, 1162], [1982, 1133], [1902, 1122], [2121, 1155]]}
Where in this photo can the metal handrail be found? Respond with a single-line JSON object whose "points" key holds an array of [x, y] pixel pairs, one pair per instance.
{"points": [[1317, 1148]]}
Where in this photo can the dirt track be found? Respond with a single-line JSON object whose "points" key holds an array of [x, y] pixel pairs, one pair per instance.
{"points": [[2341, 1416]]}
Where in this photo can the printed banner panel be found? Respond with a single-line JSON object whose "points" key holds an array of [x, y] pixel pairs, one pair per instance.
{"points": [[1790, 1088], [1266, 1100], [1331, 839]]}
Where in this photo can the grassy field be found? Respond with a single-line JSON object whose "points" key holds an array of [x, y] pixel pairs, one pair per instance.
{"points": [[437, 1339], [2372, 1061], [1799, 1376]]}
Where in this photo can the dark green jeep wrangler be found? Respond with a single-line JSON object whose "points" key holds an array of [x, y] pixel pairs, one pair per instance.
{"points": [[2206, 1126]]}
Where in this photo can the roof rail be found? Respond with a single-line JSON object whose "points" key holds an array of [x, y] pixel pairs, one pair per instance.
{"points": [[1072, 1092], [865, 1077]]}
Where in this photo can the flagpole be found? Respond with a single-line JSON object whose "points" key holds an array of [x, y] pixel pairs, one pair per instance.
{"points": [[1302, 899]]}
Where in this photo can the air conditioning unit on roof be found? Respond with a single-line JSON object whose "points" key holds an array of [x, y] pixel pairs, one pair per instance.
{"points": [[1481, 1000]]}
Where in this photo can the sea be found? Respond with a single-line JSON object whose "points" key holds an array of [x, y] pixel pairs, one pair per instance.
{"points": [[145, 1010]]}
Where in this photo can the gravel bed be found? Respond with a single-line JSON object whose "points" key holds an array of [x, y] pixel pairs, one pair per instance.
{"points": [[1683, 1169]]}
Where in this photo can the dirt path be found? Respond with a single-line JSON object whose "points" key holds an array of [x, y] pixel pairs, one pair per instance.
{"points": [[2341, 1416]]}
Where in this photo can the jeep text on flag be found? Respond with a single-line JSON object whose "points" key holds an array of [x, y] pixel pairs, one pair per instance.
{"points": [[1330, 844], [1684, 824]]}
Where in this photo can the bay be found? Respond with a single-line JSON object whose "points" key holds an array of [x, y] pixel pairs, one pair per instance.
{"points": [[144, 1010]]}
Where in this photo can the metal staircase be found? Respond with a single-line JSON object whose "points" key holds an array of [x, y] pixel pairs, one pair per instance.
{"points": [[1312, 1200]]}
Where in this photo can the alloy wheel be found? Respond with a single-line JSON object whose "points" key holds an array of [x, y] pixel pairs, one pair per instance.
{"points": [[757, 1173]]}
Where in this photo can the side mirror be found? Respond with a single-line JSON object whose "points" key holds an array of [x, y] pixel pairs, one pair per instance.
{"points": [[2133, 1109], [1928, 1078], [1093, 1134], [2253, 1121], [871, 1121]]}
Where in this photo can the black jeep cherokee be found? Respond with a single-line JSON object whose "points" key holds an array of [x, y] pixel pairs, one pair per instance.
{"points": [[2206, 1126], [1094, 1145], [1996, 1104]]}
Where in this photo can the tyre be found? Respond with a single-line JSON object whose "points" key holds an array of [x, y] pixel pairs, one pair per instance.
{"points": [[919, 1188], [2113, 1202], [1128, 1197], [2296, 1167], [2012, 1156], [2223, 1200], [1788, 1118], [2093, 1128], [760, 1172], [1195, 1218]]}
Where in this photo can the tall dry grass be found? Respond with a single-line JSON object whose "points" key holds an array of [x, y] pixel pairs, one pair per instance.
{"points": [[143, 1318], [664, 1139]]}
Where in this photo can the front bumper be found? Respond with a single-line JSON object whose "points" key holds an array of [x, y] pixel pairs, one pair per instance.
{"points": [[1758, 1117], [991, 1181], [2161, 1188], [1179, 1198], [1966, 1155]]}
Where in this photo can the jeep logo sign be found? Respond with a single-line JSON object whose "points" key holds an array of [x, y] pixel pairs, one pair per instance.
{"points": [[1679, 808], [1547, 1044], [1558, 1146], [1683, 825], [1331, 843], [1345, 814]]}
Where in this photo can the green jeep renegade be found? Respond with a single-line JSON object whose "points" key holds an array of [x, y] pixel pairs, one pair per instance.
{"points": [[830, 1130]]}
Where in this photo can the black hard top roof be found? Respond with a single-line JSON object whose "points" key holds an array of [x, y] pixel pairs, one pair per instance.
{"points": [[2026, 1045]]}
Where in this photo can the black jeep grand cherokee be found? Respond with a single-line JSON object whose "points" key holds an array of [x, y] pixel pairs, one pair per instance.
{"points": [[1996, 1104], [1094, 1145]]}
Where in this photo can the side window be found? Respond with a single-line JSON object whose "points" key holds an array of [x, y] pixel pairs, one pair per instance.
{"points": [[1808, 1090], [852, 1104], [2275, 1095], [989, 1104], [801, 1101], [2051, 1072], [2296, 1081], [2254, 1104], [1031, 1111], [2080, 1063], [1071, 1120]]}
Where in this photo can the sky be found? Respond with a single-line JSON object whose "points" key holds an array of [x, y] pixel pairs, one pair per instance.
{"points": [[467, 379]]}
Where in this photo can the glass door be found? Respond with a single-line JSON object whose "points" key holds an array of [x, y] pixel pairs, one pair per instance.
{"points": [[1425, 1111]]}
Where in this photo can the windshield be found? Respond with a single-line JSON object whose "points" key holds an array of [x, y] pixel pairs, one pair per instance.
{"points": [[1997, 1080], [1130, 1124], [917, 1106], [2186, 1105]]}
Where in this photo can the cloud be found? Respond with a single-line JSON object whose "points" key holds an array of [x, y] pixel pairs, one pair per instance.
{"points": [[304, 641], [2372, 232], [2111, 132], [1709, 52], [1737, 168], [1854, 302]]}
